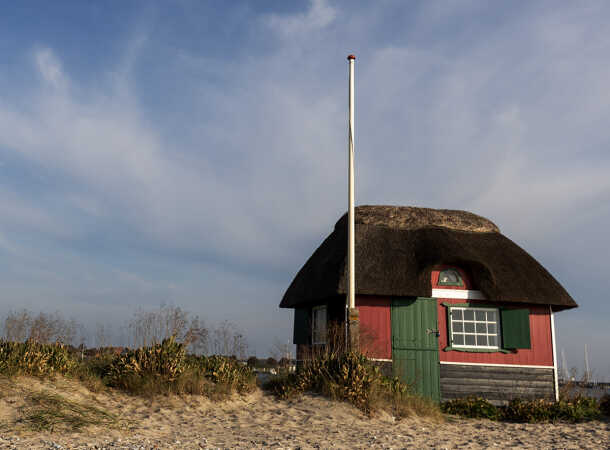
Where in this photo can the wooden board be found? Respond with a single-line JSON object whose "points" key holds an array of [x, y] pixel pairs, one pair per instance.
{"points": [[497, 384]]}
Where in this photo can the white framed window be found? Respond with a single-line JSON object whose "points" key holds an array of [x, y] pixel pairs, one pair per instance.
{"points": [[472, 327], [318, 325]]}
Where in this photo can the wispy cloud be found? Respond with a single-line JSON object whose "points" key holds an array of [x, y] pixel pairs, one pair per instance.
{"points": [[227, 171], [49, 68], [319, 15]]}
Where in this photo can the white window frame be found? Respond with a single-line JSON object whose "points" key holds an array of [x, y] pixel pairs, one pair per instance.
{"points": [[319, 321], [474, 309]]}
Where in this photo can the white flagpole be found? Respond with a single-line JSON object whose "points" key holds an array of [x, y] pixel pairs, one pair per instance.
{"points": [[351, 289]]}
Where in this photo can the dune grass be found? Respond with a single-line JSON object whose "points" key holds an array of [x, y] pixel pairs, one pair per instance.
{"points": [[160, 369], [45, 411], [351, 377]]}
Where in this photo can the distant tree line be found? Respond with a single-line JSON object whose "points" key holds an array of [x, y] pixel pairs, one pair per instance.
{"points": [[144, 328]]}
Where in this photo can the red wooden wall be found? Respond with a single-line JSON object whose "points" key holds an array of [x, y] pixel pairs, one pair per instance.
{"points": [[541, 353], [376, 331], [375, 326]]}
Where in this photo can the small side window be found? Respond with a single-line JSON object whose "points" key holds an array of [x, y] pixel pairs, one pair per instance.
{"points": [[318, 324], [450, 277], [474, 327]]}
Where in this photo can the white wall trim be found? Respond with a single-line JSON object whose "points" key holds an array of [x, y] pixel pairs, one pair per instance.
{"points": [[495, 365], [554, 353], [379, 359], [462, 294]]}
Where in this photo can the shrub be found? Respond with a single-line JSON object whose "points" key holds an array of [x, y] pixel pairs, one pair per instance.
{"points": [[164, 362], [529, 411], [165, 368], [252, 361], [33, 358], [472, 407], [224, 371], [604, 405], [351, 377], [576, 409]]}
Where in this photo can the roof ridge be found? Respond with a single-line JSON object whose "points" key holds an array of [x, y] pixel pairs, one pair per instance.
{"points": [[414, 217]]}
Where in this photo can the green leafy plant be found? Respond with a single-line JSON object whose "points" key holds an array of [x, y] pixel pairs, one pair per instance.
{"points": [[574, 409], [604, 404], [577, 409], [472, 407]]}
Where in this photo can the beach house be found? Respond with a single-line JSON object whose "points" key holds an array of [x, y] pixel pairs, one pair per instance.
{"points": [[445, 301]]}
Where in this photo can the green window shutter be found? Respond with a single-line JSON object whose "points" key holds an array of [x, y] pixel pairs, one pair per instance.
{"points": [[302, 326], [516, 328]]}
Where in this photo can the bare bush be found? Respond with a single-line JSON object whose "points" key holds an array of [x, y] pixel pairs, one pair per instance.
{"points": [[102, 336], [44, 328], [282, 351], [228, 340], [147, 328], [17, 325], [144, 329]]}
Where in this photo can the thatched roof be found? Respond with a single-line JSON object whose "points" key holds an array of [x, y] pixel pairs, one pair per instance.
{"points": [[398, 246]]}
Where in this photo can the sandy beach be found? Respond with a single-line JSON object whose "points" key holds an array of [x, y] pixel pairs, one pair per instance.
{"points": [[258, 421]]}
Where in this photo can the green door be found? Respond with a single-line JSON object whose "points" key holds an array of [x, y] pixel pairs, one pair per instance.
{"points": [[415, 345]]}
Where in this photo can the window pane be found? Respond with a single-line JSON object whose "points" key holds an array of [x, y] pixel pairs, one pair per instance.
{"points": [[491, 316], [481, 328], [480, 315], [482, 340], [491, 328], [449, 277], [319, 325], [469, 339], [493, 341], [469, 327], [468, 314], [458, 339], [458, 326], [456, 314]]}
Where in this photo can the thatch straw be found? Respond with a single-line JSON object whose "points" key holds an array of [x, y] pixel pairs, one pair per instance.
{"points": [[397, 247]]}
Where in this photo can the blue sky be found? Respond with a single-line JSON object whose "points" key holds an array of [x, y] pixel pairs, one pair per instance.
{"points": [[194, 153]]}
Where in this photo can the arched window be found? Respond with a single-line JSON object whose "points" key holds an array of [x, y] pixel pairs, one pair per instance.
{"points": [[450, 277]]}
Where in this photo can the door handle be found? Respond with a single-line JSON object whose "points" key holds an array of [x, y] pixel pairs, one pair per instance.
{"points": [[435, 332]]}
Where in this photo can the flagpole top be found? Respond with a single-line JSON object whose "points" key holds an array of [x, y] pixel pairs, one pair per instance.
{"points": [[351, 57]]}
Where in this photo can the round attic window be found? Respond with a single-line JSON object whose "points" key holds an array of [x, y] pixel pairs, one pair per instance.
{"points": [[450, 277]]}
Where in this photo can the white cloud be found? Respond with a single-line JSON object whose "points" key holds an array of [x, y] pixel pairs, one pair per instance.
{"points": [[508, 121], [49, 67], [319, 15]]}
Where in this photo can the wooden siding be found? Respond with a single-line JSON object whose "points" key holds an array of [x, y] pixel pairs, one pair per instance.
{"points": [[497, 384], [375, 326], [541, 353]]}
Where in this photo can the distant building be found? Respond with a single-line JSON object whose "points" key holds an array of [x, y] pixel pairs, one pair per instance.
{"points": [[445, 300]]}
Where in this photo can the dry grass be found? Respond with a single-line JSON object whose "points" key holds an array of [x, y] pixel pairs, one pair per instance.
{"points": [[349, 376], [30, 404], [403, 405], [47, 411]]}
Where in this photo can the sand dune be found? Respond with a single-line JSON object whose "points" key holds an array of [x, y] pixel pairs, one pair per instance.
{"points": [[256, 421]]}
